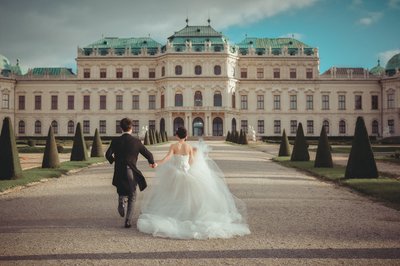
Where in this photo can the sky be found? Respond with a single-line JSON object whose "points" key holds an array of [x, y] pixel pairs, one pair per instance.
{"points": [[348, 33]]}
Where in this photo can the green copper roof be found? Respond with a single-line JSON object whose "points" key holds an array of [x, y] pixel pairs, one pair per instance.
{"points": [[276, 44], [393, 63], [377, 70], [111, 42], [197, 31], [52, 71]]}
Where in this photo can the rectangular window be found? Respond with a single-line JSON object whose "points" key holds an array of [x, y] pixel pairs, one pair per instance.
{"points": [[390, 101], [325, 102], [103, 102], [277, 73], [54, 102], [135, 126], [71, 102], [260, 102], [293, 102], [233, 100], [391, 126], [358, 102], [293, 73], [103, 73], [152, 102], [119, 102], [86, 73], [21, 102], [277, 126], [135, 102], [102, 126], [243, 102], [6, 101], [309, 102], [86, 102], [309, 73], [119, 73], [243, 73], [244, 125], [374, 102], [38, 102], [260, 126], [342, 102], [152, 73], [277, 102], [118, 129], [293, 126], [86, 127], [135, 73], [260, 73], [152, 124], [310, 126]]}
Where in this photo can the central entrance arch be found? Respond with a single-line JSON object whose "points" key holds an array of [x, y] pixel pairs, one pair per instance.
{"points": [[198, 127], [218, 128], [178, 122]]}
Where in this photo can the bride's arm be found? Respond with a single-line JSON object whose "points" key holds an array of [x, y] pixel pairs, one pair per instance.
{"points": [[192, 153], [168, 156]]}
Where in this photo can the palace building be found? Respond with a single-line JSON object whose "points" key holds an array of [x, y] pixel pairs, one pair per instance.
{"points": [[200, 80]]}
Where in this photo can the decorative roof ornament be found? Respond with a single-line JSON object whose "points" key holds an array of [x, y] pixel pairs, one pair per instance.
{"points": [[187, 21]]}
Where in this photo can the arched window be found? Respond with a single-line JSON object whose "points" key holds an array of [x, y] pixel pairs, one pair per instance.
{"points": [[21, 127], [197, 70], [54, 125], [342, 127], [233, 125], [178, 99], [198, 127], [38, 127], [218, 128], [375, 127], [198, 99], [178, 122], [217, 98], [178, 70], [217, 70], [325, 123], [71, 127]]}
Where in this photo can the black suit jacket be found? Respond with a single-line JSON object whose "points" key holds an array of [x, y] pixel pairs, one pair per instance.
{"points": [[124, 151]]}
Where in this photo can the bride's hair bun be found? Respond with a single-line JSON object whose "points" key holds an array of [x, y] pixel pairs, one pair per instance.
{"points": [[181, 132]]}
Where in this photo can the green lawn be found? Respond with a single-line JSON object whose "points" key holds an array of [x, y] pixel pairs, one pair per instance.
{"points": [[382, 188], [36, 174]]}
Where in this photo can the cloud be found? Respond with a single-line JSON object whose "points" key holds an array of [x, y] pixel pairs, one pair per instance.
{"points": [[47, 32], [394, 4], [370, 19], [386, 55]]}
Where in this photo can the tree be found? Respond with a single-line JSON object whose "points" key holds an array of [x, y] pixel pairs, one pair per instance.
{"points": [[97, 146], [50, 156], [323, 158], [79, 152], [361, 163], [236, 137], [151, 137], [162, 136], [166, 136], [244, 140], [284, 148], [240, 138], [300, 148], [158, 139], [228, 136], [146, 140], [10, 167]]}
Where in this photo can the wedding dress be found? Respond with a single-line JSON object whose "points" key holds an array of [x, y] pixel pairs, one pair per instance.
{"points": [[191, 201]]}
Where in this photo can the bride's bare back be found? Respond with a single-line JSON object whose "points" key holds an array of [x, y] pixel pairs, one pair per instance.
{"points": [[179, 148]]}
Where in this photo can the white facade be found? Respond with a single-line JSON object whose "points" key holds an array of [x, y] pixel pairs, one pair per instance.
{"points": [[235, 86]]}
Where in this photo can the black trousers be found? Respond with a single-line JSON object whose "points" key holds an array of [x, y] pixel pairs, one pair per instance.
{"points": [[131, 194]]}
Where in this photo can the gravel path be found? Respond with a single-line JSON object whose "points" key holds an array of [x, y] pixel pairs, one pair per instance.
{"points": [[294, 219]]}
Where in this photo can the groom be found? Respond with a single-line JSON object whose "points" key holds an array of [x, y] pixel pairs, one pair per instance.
{"points": [[124, 151]]}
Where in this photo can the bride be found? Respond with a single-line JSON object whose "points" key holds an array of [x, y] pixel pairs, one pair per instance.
{"points": [[189, 198]]}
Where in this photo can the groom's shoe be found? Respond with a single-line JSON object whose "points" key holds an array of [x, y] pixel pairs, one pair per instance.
{"points": [[121, 206], [128, 223]]}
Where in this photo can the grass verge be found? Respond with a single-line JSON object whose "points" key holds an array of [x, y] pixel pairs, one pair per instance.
{"points": [[36, 174], [382, 188]]}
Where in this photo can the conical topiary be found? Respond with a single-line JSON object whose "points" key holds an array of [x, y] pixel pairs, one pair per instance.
{"points": [[79, 152], [323, 158], [228, 136], [361, 163], [240, 138], [162, 136], [166, 136], [244, 140], [97, 146], [146, 140], [159, 137], [300, 148], [151, 137], [284, 148], [236, 137], [50, 156], [10, 167]]}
